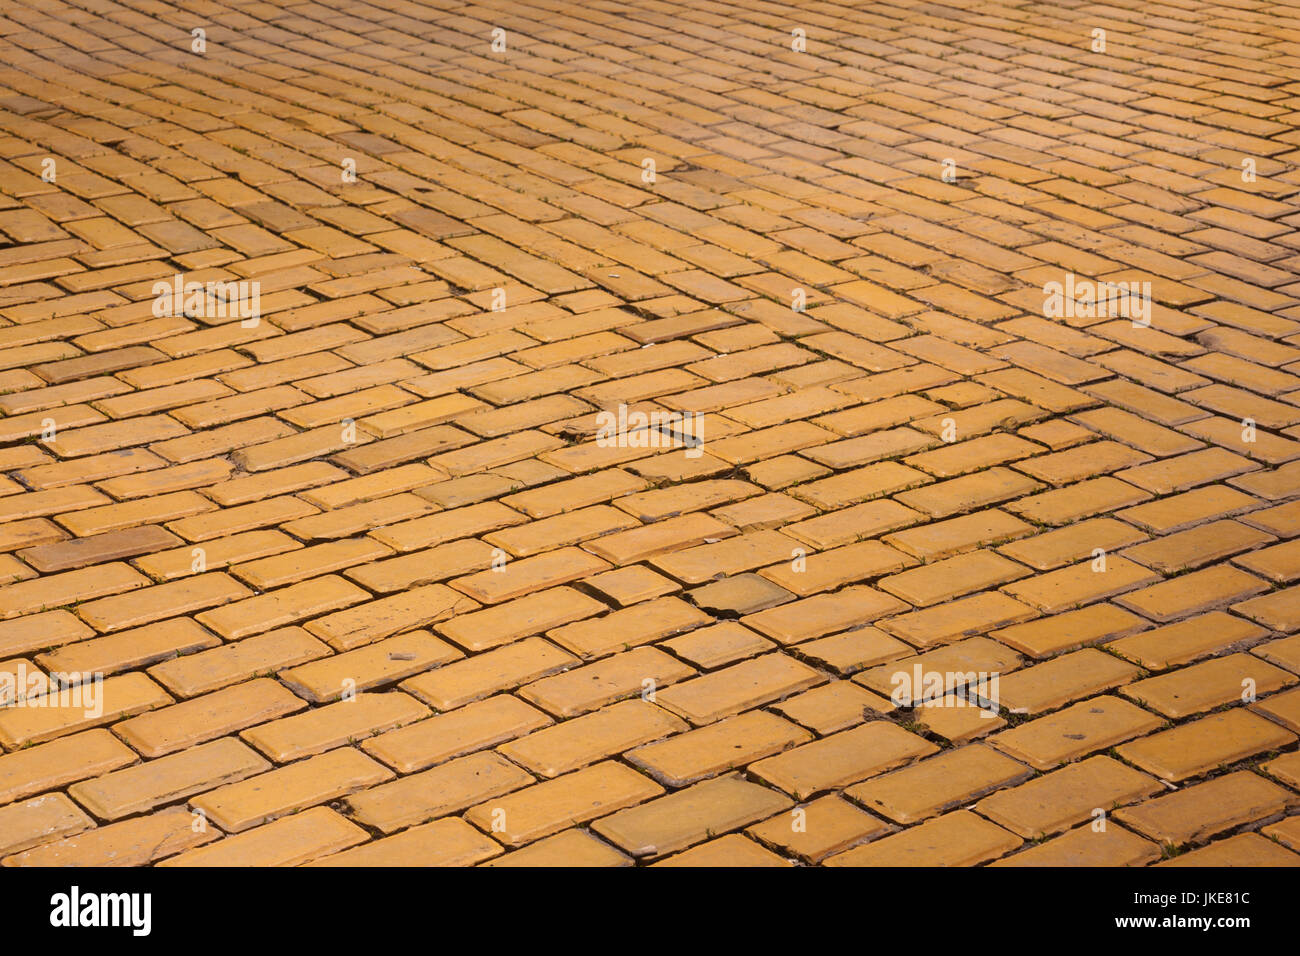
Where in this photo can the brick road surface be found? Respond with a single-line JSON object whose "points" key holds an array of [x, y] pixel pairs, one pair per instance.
{"points": [[649, 431]]}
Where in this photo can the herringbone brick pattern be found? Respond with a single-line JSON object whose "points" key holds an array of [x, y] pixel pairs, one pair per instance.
{"points": [[367, 579]]}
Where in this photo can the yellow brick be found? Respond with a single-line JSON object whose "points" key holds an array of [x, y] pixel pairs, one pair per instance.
{"points": [[260, 799], [66, 710], [203, 718], [290, 841], [545, 808]]}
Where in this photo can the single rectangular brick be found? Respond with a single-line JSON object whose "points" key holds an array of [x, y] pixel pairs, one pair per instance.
{"points": [[324, 728], [366, 623], [583, 740], [1195, 547], [959, 838], [282, 606], [40, 820], [805, 574], [1069, 630], [1187, 471], [340, 494], [1054, 549], [1080, 584], [613, 678], [231, 663], [128, 514], [855, 523], [552, 805], [525, 575], [136, 842], [842, 758], [570, 848], [475, 726], [1076, 502], [855, 650], [687, 757], [1197, 813], [37, 631], [161, 601], [140, 788], [849, 608], [830, 825], [1084, 846], [507, 622], [425, 567], [231, 521], [655, 505], [300, 563], [678, 820], [960, 664], [67, 710], [968, 493], [671, 534], [739, 687], [948, 578], [1057, 801], [145, 430], [1199, 746], [204, 718], [942, 539], [111, 546], [505, 667], [640, 624], [873, 481], [1185, 641], [447, 842], [1077, 730], [1209, 684], [55, 501], [1063, 679], [1193, 593], [448, 526], [1177, 512], [57, 590], [289, 841], [957, 619], [240, 806], [129, 650], [447, 788], [62, 761], [575, 493], [937, 784], [561, 530], [370, 666]]}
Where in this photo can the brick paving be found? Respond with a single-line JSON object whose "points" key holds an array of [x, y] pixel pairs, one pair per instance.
{"points": [[360, 576]]}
